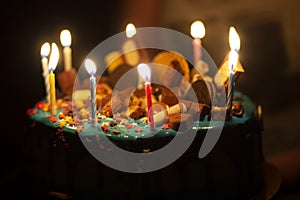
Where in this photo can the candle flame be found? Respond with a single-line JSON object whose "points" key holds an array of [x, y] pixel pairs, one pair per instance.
{"points": [[197, 29], [45, 49], [54, 56], [65, 38], [130, 30], [144, 71], [234, 39], [90, 66]]}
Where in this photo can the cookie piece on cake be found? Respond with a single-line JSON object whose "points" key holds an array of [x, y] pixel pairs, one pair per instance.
{"points": [[175, 61], [199, 89], [180, 121]]}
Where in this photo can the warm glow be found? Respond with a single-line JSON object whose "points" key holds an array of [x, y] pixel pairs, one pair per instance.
{"points": [[45, 49], [232, 59], [144, 72], [65, 38], [130, 30], [90, 66], [234, 39], [197, 29], [54, 56]]}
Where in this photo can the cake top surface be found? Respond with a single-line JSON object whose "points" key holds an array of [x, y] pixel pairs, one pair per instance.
{"points": [[127, 129]]}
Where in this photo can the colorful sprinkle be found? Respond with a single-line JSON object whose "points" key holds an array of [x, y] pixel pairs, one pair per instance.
{"points": [[53, 119], [138, 130], [129, 126], [31, 111], [115, 131], [105, 127], [166, 126]]}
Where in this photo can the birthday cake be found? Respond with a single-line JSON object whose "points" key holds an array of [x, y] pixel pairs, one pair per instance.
{"points": [[233, 167]]}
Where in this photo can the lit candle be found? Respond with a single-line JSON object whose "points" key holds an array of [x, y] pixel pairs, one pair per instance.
{"points": [[52, 65], [198, 32], [91, 69], [145, 73], [129, 48], [131, 55], [234, 42], [45, 50], [65, 39]]}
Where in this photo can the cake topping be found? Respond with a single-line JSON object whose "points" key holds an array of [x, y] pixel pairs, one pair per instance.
{"points": [[180, 120]]}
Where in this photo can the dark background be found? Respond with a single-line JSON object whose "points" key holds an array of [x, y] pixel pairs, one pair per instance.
{"points": [[25, 26]]}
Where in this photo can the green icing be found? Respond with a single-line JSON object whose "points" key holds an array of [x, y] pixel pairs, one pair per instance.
{"points": [[131, 134]]}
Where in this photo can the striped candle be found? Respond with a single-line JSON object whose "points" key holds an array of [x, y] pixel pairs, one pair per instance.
{"points": [[91, 69], [230, 91], [234, 43]]}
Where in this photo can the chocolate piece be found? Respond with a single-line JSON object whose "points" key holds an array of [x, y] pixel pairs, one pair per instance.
{"points": [[140, 92], [180, 121], [66, 80], [237, 109], [113, 124], [201, 91], [135, 112], [134, 101], [117, 74], [198, 110], [107, 110], [103, 88], [115, 105], [168, 97], [164, 94], [102, 100], [177, 63]]}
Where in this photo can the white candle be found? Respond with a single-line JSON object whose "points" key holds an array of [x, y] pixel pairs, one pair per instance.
{"points": [[91, 69], [129, 47], [131, 55], [45, 50], [65, 39], [145, 73], [52, 65], [198, 32], [234, 42]]}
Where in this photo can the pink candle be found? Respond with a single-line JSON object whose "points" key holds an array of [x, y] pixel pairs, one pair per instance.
{"points": [[197, 50], [145, 73], [148, 91], [198, 32]]}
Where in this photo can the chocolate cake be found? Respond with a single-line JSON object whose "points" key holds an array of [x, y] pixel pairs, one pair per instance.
{"points": [[233, 168]]}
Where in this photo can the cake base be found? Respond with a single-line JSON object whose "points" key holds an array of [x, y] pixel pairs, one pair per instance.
{"points": [[235, 173], [234, 169]]}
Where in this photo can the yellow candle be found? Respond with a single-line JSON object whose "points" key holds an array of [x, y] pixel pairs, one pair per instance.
{"points": [[52, 65], [65, 39], [52, 93]]}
